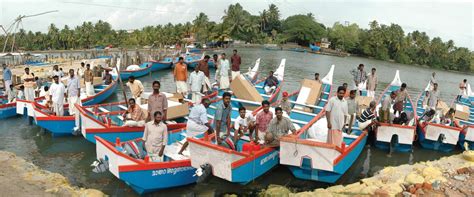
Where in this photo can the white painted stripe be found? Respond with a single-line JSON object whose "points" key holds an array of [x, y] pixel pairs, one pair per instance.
{"points": [[122, 107], [103, 110]]}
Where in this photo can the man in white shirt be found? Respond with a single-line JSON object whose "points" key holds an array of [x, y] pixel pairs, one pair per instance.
{"points": [[196, 81], [57, 91], [136, 87], [336, 112], [56, 71], [244, 123], [222, 74], [73, 91], [197, 121]]}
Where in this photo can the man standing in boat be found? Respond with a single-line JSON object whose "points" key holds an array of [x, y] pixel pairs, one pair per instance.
{"points": [[157, 101], [88, 79], [222, 73], [155, 137], [181, 76], [73, 93], [434, 97], [136, 87], [29, 84], [235, 60], [222, 116], [432, 80], [196, 82], [278, 127], [336, 113], [385, 115], [400, 100], [197, 122], [204, 67], [462, 89], [57, 91], [372, 83], [360, 76], [81, 70], [7, 81]]}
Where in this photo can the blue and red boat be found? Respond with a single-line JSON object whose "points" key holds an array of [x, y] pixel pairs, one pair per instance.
{"points": [[142, 70], [157, 65], [436, 136], [7, 109], [310, 157], [142, 174], [467, 133], [64, 125], [396, 137]]}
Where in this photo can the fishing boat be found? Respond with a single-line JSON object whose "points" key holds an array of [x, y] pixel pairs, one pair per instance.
{"points": [[259, 86], [136, 70], [107, 121], [432, 135], [7, 109], [143, 175], [310, 157], [314, 47], [191, 60], [157, 65], [252, 74], [395, 137], [467, 133], [298, 100]]}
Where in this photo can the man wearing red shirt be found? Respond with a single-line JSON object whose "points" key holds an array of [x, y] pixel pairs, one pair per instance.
{"points": [[235, 61]]}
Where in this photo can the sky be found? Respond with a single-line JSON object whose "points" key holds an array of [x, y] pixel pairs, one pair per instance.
{"points": [[446, 19]]}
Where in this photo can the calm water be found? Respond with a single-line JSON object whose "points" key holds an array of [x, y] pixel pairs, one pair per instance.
{"points": [[72, 156]]}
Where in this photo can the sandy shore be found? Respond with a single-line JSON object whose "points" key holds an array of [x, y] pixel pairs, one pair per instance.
{"points": [[21, 178], [448, 176]]}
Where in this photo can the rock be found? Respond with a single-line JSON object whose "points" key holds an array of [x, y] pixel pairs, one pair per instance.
{"points": [[276, 190], [381, 193], [468, 155], [412, 189], [460, 177], [427, 186], [419, 192], [418, 185], [406, 194], [392, 188], [336, 189], [464, 170], [414, 178]]}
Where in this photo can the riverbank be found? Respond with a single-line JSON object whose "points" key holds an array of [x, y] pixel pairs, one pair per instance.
{"points": [[448, 176], [19, 177]]}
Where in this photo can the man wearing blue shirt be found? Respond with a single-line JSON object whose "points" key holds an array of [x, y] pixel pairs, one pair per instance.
{"points": [[7, 81]]}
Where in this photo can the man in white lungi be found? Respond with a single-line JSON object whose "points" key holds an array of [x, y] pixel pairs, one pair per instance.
{"points": [[136, 87], [73, 91], [155, 137], [204, 67], [197, 122], [372, 83], [29, 84], [88, 79], [7, 81], [181, 76], [222, 75], [235, 60], [57, 92], [196, 82], [336, 112]]}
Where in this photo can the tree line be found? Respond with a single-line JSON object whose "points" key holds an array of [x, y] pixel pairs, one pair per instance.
{"points": [[380, 41]]}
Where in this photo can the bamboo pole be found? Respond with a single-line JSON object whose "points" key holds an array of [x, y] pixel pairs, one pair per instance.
{"points": [[120, 79]]}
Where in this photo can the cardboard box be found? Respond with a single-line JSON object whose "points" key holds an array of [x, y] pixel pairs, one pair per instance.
{"points": [[312, 97], [363, 102], [242, 89], [177, 109], [443, 107], [462, 112]]}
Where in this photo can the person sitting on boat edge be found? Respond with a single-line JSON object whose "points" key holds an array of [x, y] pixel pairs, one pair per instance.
{"points": [[222, 116], [285, 103], [155, 137], [197, 122], [134, 116], [262, 120], [270, 83], [367, 117], [448, 118], [244, 123], [336, 111], [107, 78], [278, 127]]}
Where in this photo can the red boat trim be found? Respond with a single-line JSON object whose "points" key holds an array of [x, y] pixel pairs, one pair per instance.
{"points": [[256, 155], [216, 147], [350, 148]]}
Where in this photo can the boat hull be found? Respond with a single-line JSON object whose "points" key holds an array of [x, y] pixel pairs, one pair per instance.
{"points": [[161, 65], [125, 74], [429, 136], [386, 135], [7, 110], [467, 135]]}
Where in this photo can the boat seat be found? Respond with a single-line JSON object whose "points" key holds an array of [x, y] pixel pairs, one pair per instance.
{"points": [[172, 150], [97, 90], [170, 122], [103, 110], [122, 107]]}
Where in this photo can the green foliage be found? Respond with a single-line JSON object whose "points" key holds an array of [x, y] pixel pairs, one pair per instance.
{"points": [[302, 29], [380, 41]]}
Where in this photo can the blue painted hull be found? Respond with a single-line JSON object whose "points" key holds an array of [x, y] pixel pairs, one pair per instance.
{"points": [[462, 139], [102, 97], [397, 147], [433, 145], [8, 112], [161, 65], [252, 170], [112, 136], [136, 73], [146, 181], [307, 173]]}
